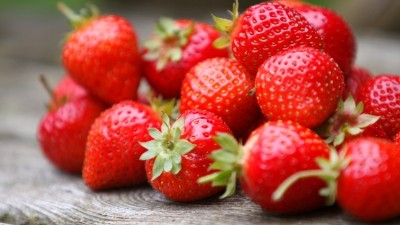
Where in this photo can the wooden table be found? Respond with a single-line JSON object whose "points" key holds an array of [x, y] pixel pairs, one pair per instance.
{"points": [[32, 191]]}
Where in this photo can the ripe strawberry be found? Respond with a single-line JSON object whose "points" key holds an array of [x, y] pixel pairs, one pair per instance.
{"points": [[175, 47], [368, 188], [273, 152], [113, 149], [301, 84], [178, 155], [224, 87], [264, 30], [337, 35], [363, 177], [101, 54], [63, 130], [355, 80], [381, 97]]}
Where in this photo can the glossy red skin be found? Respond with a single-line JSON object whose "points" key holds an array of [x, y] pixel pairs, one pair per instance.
{"points": [[356, 79], [368, 188], [381, 97], [396, 139], [302, 85], [113, 149], [268, 28], [337, 35], [103, 57], [224, 87], [63, 132], [200, 127], [275, 151], [199, 47], [67, 90]]}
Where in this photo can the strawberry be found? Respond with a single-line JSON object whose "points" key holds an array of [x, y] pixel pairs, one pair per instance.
{"points": [[264, 30], [355, 80], [63, 130], [113, 149], [273, 152], [101, 54], [363, 178], [224, 87], [381, 97], [301, 84], [175, 47], [368, 188], [178, 155], [337, 35]]}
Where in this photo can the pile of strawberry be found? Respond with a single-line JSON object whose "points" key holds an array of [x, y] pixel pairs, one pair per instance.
{"points": [[274, 78]]}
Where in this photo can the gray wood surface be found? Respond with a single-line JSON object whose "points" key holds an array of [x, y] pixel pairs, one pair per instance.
{"points": [[33, 192]]}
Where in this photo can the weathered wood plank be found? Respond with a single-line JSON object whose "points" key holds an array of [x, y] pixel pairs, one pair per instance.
{"points": [[33, 192]]}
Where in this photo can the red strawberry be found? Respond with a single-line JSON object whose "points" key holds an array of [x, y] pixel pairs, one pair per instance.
{"points": [[368, 188], [301, 84], [273, 152], [364, 178], [355, 80], [178, 155], [113, 149], [63, 130], [337, 35], [174, 49], [266, 29], [101, 54], [224, 87], [381, 97]]}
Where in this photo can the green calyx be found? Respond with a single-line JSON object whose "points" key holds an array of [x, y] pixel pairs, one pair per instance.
{"points": [[166, 147], [167, 43], [162, 106], [329, 172], [348, 121], [227, 161], [226, 26], [78, 20]]}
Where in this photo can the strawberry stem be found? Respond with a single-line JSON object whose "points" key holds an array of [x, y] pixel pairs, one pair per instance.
{"points": [[329, 172], [49, 90], [281, 190], [78, 20]]}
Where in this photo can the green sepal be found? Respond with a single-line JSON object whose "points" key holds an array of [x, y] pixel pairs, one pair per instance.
{"points": [[227, 162], [162, 106], [348, 120], [78, 20], [167, 43], [225, 26], [167, 147]]}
